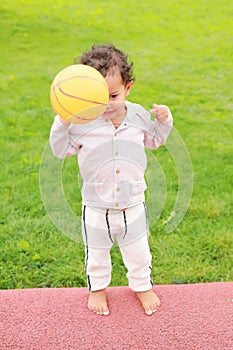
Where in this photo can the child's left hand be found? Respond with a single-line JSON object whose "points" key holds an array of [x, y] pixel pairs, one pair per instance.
{"points": [[160, 112]]}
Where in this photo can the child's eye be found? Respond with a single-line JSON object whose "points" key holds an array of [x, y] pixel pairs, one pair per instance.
{"points": [[113, 96]]}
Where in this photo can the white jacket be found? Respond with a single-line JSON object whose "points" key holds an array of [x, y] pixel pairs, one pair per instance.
{"points": [[112, 161]]}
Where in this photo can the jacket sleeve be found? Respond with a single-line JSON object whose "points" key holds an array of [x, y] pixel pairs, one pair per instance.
{"points": [[157, 133], [61, 140]]}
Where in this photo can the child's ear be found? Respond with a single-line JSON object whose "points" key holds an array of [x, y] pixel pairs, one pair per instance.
{"points": [[128, 87]]}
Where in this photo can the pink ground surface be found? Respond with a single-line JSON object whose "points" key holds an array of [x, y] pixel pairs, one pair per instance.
{"points": [[195, 316]]}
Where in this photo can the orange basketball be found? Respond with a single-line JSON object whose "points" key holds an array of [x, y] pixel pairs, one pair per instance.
{"points": [[79, 94]]}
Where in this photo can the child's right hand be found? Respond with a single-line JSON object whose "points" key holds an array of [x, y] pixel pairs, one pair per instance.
{"points": [[64, 122]]}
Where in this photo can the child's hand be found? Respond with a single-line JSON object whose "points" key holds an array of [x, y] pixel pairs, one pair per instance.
{"points": [[64, 122], [160, 112]]}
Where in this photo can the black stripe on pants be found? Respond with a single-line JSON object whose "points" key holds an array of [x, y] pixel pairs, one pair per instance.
{"points": [[85, 232]]}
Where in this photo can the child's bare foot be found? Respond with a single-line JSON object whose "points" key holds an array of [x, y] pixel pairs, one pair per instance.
{"points": [[97, 302], [149, 301]]}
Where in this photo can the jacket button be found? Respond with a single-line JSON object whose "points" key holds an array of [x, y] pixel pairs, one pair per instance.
{"points": [[117, 171]]}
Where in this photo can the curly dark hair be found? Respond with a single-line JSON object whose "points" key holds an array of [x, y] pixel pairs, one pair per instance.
{"points": [[105, 58]]}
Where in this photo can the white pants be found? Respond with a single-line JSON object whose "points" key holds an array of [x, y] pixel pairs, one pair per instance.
{"points": [[100, 227]]}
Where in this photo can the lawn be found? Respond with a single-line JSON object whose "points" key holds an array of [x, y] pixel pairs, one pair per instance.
{"points": [[183, 57]]}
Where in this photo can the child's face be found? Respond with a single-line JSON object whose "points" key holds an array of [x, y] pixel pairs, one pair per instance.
{"points": [[117, 95]]}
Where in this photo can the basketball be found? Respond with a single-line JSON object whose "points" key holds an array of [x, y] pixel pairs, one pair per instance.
{"points": [[79, 94]]}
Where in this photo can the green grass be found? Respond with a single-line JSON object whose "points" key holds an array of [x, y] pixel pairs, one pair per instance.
{"points": [[183, 58]]}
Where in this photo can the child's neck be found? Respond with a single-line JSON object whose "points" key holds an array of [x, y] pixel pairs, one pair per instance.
{"points": [[117, 121]]}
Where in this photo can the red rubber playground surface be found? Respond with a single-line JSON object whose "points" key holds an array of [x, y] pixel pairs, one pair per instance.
{"points": [[195, 316]]}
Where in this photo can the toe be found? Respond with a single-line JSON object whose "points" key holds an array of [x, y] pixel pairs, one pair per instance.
{"points": [[149, 312], [103, 311], [151, 309]]}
